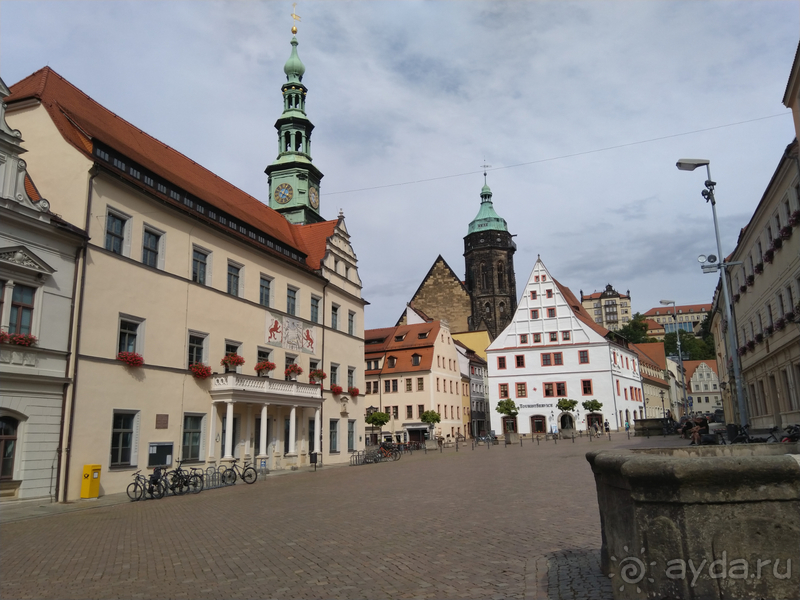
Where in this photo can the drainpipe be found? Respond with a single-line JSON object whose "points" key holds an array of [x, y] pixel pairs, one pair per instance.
{"points": [[322, 358], [613, 391], [78, 337], [80, 255]]}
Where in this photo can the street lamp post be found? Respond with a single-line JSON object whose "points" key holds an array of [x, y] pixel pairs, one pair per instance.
{"points": [[663, 411], [690, 164], [680, 354]]}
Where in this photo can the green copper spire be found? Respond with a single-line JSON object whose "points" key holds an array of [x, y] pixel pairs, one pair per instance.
{"points": [[294, 67], [487, 219]]}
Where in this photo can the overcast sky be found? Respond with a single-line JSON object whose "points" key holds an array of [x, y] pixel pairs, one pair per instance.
{"points": [[582, 109]]}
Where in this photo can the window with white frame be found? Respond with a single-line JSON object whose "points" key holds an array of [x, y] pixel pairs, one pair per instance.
{"points": [[234, 279], [334, 374], [197, 348], [291, 300], [351, 377], [265, 291], [118, 232], [334, 317], [193, 430], [201, 266], [153, 241], [22, 304], [124, 438], [130, 334], [314, 309], [334, 435], [351, 322], [351, 435]]}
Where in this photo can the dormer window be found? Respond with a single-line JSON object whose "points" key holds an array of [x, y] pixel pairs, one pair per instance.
{"points": [[423, 335], [415, 360], [399, 338], [391, 362]]}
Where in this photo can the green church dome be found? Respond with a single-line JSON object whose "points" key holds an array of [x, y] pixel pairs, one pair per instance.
{"points": [[487, 219], [294, 67]]}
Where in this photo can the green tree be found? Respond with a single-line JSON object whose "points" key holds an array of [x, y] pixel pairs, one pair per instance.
{"points": [[430, 417], [691, 347], [592, 405], [566, 405], [507, 407], [377, 419], [636, 330]]}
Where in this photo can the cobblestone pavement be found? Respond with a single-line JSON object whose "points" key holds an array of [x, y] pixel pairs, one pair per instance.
{"points": [[493, 522]]}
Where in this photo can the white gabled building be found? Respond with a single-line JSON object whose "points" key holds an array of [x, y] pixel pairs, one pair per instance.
{"points": [[553, 349]]}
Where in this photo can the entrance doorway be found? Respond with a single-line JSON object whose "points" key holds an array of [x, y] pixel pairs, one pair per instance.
{"points": [[594, 418], [538, 424], [567, 422], [509, 425]]}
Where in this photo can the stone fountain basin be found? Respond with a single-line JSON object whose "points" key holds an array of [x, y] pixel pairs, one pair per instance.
{"points": [[727, 509]]}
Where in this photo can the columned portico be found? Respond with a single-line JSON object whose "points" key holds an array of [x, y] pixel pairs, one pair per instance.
{"points": [[276, 401]]}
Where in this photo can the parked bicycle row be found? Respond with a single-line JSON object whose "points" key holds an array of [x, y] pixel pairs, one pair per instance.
{"points": [[187, 481], [735, 434]]}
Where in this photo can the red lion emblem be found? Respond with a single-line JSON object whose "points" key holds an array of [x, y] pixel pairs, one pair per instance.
{"points": [[309, 339], [275, 329]]}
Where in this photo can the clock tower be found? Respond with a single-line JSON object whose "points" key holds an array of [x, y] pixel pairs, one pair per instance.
{"points": [[293, 179]]}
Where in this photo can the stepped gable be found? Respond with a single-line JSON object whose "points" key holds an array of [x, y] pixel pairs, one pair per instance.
{"points": [[81, 120]]}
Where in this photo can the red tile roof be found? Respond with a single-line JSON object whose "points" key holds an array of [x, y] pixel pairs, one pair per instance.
{"points": [[653, 325], [596, 296], [684, 309], [654, 353], [81, 121], [383, 342]]}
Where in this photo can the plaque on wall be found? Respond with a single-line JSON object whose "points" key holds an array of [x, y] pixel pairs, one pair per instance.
{"points": [[162, 421]]}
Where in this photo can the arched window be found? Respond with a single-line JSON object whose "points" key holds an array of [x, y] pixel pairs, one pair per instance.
{"points": [[8, 446], [485, 285], [488, 309], [287, 142], [298, 142], [501, 278], [502, 308]]}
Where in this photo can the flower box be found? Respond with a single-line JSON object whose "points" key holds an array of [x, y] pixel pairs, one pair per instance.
{"points": [[132, 359], [264, 367], [785, 233], [759, 338], [777, 244], [293, 370], [336, 389], [736, 297], [743, 289], [317, 375], [231, 361], [780, 324], [794, 218], [18, 339], [742, 350], [759, 268], [789, 316], [769, 330], [353, 391], [769, 255], [751, 344], [200, 371], [751, 280]]}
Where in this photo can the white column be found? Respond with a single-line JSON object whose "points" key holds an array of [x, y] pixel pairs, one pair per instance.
{"points": [[317, 430], [212, 432], [248, 447], [263, 432], [292, 430], [229, 431]]}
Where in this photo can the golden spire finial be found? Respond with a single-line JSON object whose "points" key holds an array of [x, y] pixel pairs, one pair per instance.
{"points": [[294, 16]]}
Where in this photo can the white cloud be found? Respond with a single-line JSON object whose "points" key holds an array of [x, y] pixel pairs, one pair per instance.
{"points": [[409, 91]]}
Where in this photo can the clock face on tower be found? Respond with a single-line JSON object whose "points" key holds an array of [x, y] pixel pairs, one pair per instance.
{"points": [[313, 197], [283, 193]]}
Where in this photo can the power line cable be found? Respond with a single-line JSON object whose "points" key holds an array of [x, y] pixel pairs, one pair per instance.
{"points": [[563, 156]]}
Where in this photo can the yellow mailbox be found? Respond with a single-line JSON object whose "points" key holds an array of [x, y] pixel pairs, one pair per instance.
{"points": [[90, 484]]}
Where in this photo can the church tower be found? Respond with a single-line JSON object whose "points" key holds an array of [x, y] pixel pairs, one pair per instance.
{"points": [[489, 257], [293, 179]]}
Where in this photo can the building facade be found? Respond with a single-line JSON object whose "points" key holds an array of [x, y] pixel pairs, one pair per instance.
{"points": [[702, 382], [690, 317], [411, 369], [656, 388], [38, 257], [609, 308], [183, 270], [553, 349]]}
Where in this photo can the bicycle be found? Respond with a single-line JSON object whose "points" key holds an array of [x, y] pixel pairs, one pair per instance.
{"points": [[247, 473], [386, 452], [180, 481], [143, 486]]}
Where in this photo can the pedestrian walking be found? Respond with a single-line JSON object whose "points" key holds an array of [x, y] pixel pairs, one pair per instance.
{"points": [[607, 426], [627, 426]]}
